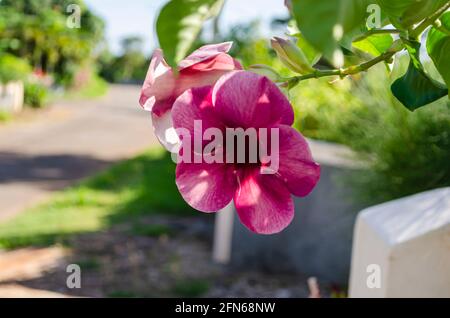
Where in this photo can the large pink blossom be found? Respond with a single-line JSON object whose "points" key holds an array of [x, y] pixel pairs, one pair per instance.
{"points": [[162, 86], [245, 100]]}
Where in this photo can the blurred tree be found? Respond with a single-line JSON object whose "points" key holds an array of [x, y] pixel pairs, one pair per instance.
{"points": [[130, 66], [37, 31]]}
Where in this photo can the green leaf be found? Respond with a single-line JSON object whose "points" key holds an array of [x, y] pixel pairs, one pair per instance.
{"points": [[312, 55], [438, 47], [375, 44], [405, 13], [179, 24], [324, 23], [416, 89]]}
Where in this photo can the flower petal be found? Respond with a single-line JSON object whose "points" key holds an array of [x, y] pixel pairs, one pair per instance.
{"points": [[206, 187], [195, 105], [221, 62], [296, 165], [204, 53], [263, 203], [165, 132], [159, 84], [245, 99]]}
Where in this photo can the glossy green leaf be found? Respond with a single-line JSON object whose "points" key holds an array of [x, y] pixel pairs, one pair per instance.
{"points": [[438, 47], [405, 13], [325, 23], [179, 24], [416, 89], [375, 44]]}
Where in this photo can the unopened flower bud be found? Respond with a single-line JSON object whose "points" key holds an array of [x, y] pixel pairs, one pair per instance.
{"points": [[291, 55]]}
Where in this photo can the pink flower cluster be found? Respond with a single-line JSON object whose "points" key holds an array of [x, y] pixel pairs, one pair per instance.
{"points": [[211, 87]]}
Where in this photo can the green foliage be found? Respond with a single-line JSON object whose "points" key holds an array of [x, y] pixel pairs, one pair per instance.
{"points": [[328, 25], [438, 46], [405, 13], [36, 31], [324, 23], [374, 44], [36, 95], [13, 68], [179, 24], [416, 88]]}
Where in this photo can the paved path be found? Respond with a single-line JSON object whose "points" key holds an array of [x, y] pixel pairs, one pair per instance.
{"points": [[66, 143]]}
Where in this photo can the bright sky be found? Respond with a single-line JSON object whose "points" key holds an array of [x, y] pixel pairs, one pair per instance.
{"points": [[137, 17]]}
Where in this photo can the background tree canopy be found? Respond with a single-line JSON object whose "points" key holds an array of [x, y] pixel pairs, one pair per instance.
{"points": [[36, 30]]}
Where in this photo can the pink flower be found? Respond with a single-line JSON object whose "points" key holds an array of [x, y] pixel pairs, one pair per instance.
{"points": [[245, 100], [162, 87]]}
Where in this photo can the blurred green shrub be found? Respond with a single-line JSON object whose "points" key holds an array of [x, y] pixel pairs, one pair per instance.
{"points": [[13, 68], [36, 30], [36, 95]]}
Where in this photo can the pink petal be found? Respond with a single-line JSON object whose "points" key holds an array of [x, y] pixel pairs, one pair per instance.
{"points": [[206, 187], [165, 132], [159, 84], [195, 105], [222, 62], [204, 53], [245, 99], [263, 203], [297, 167]]}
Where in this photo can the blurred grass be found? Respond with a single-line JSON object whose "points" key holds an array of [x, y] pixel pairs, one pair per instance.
{"points": [[4, 117], [125, 192], [151, 230], [191, 288]]}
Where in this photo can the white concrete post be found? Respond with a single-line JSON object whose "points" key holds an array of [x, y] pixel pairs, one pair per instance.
{"points": [[223, 232], [402, 248], [11, 97]]}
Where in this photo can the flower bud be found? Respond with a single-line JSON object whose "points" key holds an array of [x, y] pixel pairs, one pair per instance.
{"points": [[266, 71], [291, 55]]}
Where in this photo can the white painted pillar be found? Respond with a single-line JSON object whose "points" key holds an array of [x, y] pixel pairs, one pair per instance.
{"points": [[223, 234], [402, 248], [11, 96]]}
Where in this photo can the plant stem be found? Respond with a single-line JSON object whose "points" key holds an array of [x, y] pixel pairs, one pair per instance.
{"points": [[415, 33], [375, 31], [349, 70]]}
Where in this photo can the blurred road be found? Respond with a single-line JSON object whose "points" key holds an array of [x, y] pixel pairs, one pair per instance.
{"points": [[68, 142]]}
